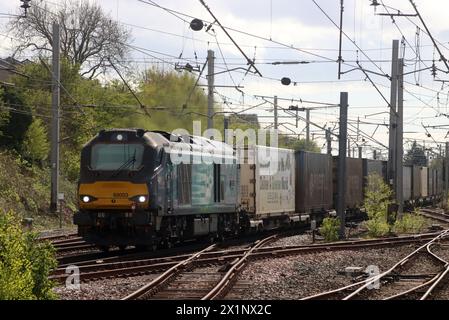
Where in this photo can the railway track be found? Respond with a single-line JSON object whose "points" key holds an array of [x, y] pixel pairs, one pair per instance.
{"points": [[138, 264], [66, 242], [405, 280], [438, 215], [69, 245], [185, 280], [58, 237]]}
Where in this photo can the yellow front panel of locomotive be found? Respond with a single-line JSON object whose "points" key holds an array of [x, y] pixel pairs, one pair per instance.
{"points": [[112, 195]]}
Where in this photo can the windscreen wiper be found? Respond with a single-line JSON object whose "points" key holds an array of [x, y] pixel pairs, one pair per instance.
{"points": [[126, 164]]}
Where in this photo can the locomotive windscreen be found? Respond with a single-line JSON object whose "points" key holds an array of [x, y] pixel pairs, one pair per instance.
{"points": [[116, 156]]}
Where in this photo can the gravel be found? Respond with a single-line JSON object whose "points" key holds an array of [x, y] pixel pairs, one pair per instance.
{"points": [[291, 277], [107, 289], [300, 276]]}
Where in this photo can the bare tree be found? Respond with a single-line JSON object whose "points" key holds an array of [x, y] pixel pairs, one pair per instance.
{"points": [[88, 35]]}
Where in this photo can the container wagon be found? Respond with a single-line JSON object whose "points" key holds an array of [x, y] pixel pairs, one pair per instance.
{"points": [[407, 184], [416, 183], [424, 193], [267, 186], [313, 183], [354, 183]]}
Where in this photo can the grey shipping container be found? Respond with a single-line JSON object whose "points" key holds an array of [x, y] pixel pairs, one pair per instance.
{"points": [[375, 166], [439, 179], [354, 182], [313, 182], [407, 183]]}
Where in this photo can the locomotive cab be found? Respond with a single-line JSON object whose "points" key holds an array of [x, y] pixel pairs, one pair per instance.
{"points": [[132, 193], [118, 169]]}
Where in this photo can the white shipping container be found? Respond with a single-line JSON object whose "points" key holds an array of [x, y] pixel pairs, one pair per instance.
{"points": [[267, 181]]}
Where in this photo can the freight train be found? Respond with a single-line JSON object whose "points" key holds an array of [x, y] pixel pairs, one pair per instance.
{"points": [[153, 188]]}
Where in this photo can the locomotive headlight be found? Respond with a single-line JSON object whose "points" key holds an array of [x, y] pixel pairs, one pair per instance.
{"points": [[141, 198], [87, 199]]}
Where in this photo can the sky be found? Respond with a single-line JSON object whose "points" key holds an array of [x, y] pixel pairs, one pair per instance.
{"points": [[271, 31]]}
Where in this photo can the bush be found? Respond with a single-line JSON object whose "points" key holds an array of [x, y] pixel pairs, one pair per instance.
{"points": [[377, 201], [35, 145], [377, 227], [32, 201], [25, 263], [329, 229], [410, 223]]}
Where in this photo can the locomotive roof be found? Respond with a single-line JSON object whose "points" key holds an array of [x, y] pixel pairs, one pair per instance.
{"points": [[167, 140]]}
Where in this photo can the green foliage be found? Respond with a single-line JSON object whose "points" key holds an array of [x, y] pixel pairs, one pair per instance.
{"points": [[377, 196], [35, 145], [42, 258], [410, 223], [377, 201], [170, 90], [329, 229], [16, 122], [25, 264], [415, 156], [4, 115], [298, 144], [71, 163], [377, 227], [32, 201]]}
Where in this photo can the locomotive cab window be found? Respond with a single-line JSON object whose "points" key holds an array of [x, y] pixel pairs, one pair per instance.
{"points": [[114, 156]]}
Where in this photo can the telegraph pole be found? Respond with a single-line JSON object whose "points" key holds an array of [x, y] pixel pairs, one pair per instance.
{"points": [[329, 141], [399, 140], [392, 128], [210, 86], [275, 112], [360, 152], [342, 163], [307, 125], [55, 100]]}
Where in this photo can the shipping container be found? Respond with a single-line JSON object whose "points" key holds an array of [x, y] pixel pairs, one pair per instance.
{"points": [[267, 181], [407, 182], [424, 182], [375, 166], [354, 182], [430, 182], [313, 182], [416, 183], [439, 178]]}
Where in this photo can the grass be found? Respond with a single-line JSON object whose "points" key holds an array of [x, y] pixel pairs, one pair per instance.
{"points": [[25, 189]]}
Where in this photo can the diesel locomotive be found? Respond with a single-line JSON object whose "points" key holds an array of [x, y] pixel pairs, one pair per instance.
{"points": [[153, 188], [132, 189]]}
